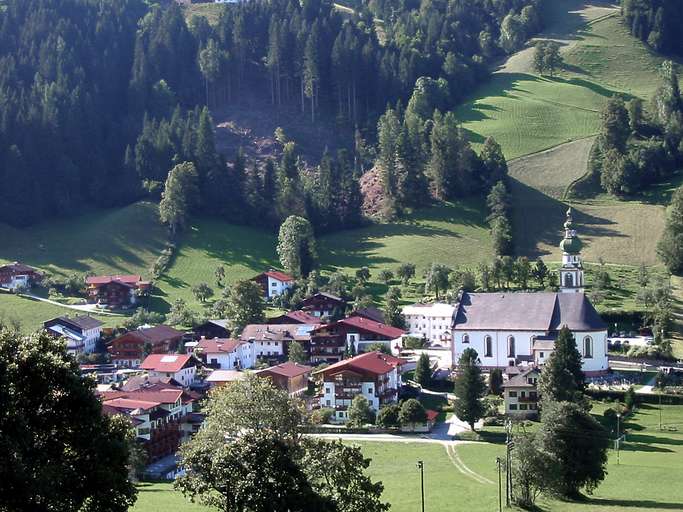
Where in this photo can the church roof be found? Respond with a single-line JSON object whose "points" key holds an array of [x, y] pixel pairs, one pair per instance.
{"points": [[541, 311]]}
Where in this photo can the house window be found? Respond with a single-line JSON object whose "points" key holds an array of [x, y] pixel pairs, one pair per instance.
{"points": [[465, 338], [512, 394], [327, 403], [511, 346], [513, 407], [488, 347], [327, 391], [369, 390], [522, 407], [542, 355], [532, 407], [522, 394], [587, 347]]}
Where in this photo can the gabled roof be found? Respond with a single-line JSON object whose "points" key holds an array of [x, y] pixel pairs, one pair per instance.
{"points": [[154, 335], [137, 382], [326, 295], [277, 332], [520, 381], [166, 362], [219, 322], [288, 369], [17, 267], [370, 362], [434, 309], [217, 345], [127, 404], [277, 275], [83, 322], [371, 313], [377, 328], [226, 376], [298, 317], [539, 311], [129, 280]]}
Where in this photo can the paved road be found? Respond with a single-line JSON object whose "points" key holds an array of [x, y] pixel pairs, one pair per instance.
{"points": [[85, 308]]}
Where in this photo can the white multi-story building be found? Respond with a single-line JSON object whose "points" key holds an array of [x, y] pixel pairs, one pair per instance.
{"points": [[374, 375], [179, 367], [430, 321], [274, 282], [226, 354], [80, 332]]}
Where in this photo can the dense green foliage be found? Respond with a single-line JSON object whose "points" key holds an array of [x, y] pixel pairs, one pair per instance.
{"points": [[670, 247], [102, 96], [656, 22], [470, 388], [60, 452], [562, 378]]}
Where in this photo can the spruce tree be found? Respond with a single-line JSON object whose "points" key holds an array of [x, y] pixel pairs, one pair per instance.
{"points": [[423, 371], [562, 379], [470, 388]]}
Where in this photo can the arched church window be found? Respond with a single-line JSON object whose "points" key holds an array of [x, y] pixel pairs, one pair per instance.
{"points": [[568, 280], [511, 347], [465, 338], [587, 347], [488, 347]]}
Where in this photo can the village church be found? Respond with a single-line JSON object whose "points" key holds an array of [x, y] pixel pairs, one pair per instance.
{"points": [[517, 329]]}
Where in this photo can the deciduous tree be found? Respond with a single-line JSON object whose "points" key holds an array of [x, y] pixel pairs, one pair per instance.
{"points": [[296, 246], [470, 388]]}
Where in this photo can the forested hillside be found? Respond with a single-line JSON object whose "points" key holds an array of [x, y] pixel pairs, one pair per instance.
{"points": [[656, 22], [100, 98]]}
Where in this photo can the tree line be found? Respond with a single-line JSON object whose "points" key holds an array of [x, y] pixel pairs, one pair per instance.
{"points": [[640, 144], [100, 97], [655, 22]]}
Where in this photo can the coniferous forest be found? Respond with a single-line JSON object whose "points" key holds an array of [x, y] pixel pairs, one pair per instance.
{"points": [[101, 98]]}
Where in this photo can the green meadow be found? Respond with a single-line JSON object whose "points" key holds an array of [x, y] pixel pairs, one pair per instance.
{"points": [[465, 478]]}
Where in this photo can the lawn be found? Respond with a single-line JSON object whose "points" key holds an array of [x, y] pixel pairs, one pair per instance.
{"points": [[453, 234], [647, 477]]}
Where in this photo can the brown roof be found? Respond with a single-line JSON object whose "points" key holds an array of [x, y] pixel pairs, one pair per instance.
{"points": [[539, 311], [371, 313], [17, 267], [371, 362], [130, 404], [326, 295], [288, 369], [154, 335], [83, 322], [124, 279], [299, 317], [378, 328], [166, 362]]}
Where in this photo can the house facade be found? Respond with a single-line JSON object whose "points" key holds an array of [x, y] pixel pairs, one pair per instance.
{"points": [[161, 415], [81, 332], [179, 367], [128, 350], [329, 342], [116, 292], [289, 376], [226, 354], [521, 394], [17, 276], [271, 341], [324, 304], [210, 329], [274, 283], [374, 375], [433, 322]]}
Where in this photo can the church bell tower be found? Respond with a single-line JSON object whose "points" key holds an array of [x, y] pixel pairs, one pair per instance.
{"points": [[571, 272]]}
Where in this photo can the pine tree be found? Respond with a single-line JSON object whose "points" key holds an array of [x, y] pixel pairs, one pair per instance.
{"points": [[470, 388], [423, 371], [562, 379]]}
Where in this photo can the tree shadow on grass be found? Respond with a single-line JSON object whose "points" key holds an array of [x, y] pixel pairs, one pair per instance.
{"points": [[644, 438], [637, 504], [538, 219]]}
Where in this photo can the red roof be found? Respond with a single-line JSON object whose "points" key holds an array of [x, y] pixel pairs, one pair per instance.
{"points": [[288, 369], [371, 362], [126, 279], [302, 317], [216, 345], [165, 362], [280, 276], [374, 327], [129, 404]]}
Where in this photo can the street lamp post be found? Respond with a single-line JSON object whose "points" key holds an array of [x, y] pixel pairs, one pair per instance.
{"points": [[618, 436], [420, 466], [499, 463]]}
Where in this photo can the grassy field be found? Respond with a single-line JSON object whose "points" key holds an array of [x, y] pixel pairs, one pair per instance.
{"points": [[453, 234], [647, 477]]}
